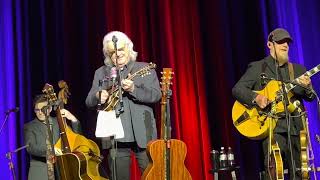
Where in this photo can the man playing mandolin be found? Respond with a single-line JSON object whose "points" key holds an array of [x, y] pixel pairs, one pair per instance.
{"points": [[138, 94], [276, 66]]}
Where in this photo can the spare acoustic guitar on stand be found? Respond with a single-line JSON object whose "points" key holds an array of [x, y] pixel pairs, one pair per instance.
{"points": [[166, 155]]}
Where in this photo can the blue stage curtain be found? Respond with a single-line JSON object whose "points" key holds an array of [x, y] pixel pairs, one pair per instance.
{"points": [[14, 85]]}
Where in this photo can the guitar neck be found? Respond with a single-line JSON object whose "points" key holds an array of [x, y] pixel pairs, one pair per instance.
{"points": [[165, 132], [63, 132], [309, 73]]}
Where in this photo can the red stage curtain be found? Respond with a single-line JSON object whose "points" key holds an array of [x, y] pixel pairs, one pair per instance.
{"points": [[167, 32]]}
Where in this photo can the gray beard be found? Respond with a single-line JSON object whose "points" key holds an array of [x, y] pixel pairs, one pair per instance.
{"points": [[283, 60]]}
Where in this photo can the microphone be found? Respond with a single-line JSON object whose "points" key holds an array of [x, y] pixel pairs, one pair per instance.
{"points": [[16, 109], [114, 39], [113, 74]]}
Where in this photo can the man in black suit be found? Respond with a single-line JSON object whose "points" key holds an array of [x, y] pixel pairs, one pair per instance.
{"points": [[35, 133], [276, 66]]}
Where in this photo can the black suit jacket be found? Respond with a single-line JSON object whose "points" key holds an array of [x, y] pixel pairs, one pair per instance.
{"points": [[251, 81]]}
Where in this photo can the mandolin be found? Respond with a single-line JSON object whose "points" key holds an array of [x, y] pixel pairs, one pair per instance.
{"points": [[113, 98], [306, 151], [275, 163], [166, 155]]}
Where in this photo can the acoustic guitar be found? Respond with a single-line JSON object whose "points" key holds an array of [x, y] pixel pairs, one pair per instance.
{"points": [[80, 156], [253, 122], [166, 155]]}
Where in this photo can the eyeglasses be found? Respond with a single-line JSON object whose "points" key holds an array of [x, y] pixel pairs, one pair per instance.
{"points": [[37, 110]]}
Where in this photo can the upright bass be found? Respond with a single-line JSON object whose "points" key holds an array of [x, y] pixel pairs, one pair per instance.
{"points": [[80, 156], [167, 155]]}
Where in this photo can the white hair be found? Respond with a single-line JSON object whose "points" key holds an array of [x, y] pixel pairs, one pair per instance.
{"points": [[121, 37]]}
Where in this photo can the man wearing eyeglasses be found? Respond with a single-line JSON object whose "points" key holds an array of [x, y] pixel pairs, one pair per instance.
{"points": [[35, 133]]}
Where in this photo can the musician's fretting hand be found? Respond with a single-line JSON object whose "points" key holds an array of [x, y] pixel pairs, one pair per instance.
{"points": [[127, 85], [104, 96], [304, 80], [262, 101], [66, 114]]}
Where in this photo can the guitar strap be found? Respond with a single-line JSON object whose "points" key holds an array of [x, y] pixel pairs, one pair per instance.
{"points": [[291, 71], [263, 81], [264, 66]]}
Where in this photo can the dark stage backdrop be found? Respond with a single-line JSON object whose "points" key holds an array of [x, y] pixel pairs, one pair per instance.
{"points": [[207, 43]]}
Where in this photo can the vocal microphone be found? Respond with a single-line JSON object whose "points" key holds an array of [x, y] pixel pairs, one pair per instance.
{"points": [[114, 39], [16, 109], [113, 74]]}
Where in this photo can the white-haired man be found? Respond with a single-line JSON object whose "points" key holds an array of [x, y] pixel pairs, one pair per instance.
{"points": [[139, 93]]}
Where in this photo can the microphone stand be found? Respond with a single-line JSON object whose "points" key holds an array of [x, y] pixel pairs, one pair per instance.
{"points": [[45, 110], [5, 121], [99, 107], [287, 116], [113, 150], [121, 108], [11, 164]]}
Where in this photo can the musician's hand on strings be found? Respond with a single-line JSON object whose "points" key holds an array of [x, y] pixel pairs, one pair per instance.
{"points": [[304, 80], [104, 96], [128, 85], [66, 114], [262, 101]]}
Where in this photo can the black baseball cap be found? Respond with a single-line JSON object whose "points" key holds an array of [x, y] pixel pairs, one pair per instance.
{"points": [[280, 35]]}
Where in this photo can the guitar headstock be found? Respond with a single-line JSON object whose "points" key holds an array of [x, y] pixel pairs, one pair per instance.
{"points": [[166, 80], [64, 93], [146, 70], [49, 93]]}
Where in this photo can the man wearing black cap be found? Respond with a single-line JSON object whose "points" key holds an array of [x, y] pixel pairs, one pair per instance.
{"points": [[276, 66]]}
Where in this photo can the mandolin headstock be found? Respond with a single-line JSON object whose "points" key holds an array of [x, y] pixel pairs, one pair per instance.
{"points": [[146, 70]]}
